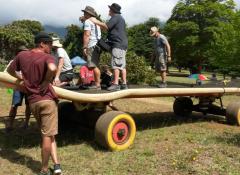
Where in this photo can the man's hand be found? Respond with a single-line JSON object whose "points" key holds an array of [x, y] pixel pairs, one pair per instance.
{"points": [[169, 59], [85, 52], [82, 19], [44, 87], [56, 81]]}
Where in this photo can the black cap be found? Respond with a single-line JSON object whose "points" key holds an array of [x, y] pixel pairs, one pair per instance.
{"points": [[42, 37], [116, 8]]}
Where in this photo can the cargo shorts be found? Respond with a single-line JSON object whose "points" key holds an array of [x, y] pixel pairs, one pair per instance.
{"points": [[118, 58], [161, 62], [46, 114], [93, 56]]}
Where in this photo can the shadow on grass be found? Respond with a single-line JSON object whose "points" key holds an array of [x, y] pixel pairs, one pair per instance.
{"points": [[167, 119], [74, 134], [17, 158], [228, 138]]}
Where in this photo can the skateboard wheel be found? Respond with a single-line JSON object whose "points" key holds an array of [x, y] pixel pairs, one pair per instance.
{"points": [[115, 130], [183, 106], [233, 113]]}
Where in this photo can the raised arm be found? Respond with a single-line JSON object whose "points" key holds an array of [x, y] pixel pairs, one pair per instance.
{"points": [[102, 25]]}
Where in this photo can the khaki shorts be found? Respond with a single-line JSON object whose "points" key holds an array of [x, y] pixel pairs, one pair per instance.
{"points": [[161, 62], [93, 57], [46, 114], [118, 58]]}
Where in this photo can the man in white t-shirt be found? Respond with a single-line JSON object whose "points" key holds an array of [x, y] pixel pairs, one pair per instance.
{"points": [[64, 67], [92, 33]]}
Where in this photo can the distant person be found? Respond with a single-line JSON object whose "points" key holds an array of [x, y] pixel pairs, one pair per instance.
{"points": [[92, 33], [86, 76], [162, 54], [38, 70], [17, 99], [117, 38], [64, 67]]}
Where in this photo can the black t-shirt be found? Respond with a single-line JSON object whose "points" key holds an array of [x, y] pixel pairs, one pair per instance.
{"points": [[117, 34]]}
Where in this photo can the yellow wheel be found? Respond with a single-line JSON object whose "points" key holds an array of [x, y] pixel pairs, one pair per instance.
{"points": [[115, 130], [233, 113]]}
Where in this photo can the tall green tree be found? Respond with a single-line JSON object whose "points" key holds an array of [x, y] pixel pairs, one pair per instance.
{"points": [[74, 41], [195, 28], [16, 34], [33, 27]]}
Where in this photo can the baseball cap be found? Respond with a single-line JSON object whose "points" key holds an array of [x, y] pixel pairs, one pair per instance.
{"points": [[42, 37]]}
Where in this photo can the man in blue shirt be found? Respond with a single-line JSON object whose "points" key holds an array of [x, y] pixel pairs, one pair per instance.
{"points": [[117, 38]]}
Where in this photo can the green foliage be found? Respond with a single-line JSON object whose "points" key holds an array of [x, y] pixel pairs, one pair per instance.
{"points": [[74, 41], [11, 37], [16, 34], [33, 27], [139, 40], [2, 67], [199, 32], [138, 70]]}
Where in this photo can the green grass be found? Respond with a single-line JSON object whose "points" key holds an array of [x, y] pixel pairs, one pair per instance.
{"points": [[164, 144]]}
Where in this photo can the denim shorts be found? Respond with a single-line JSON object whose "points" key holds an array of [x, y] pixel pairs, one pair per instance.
{"points": [[17, 98]]}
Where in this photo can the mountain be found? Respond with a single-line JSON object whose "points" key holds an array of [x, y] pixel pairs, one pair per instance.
{"points": [[60, 31]]}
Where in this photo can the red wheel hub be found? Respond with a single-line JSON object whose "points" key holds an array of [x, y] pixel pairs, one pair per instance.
{"points": [[120, 132]]}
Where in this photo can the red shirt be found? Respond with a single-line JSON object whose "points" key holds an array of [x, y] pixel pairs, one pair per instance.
{"points": [[33, 66], [86, 75]]}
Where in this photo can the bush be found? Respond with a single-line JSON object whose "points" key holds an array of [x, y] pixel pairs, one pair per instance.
{"points": [[138, 70]]}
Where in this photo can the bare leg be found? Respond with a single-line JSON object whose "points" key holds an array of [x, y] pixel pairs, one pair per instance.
{"points": [[54, 151], [46, 151], [163, 76], [124, 76], [97, 74], [27, 116], [12, 115], [116, 76]]}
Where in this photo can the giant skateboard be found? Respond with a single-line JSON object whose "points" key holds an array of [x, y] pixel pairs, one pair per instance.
{"points": [[116, 130]]}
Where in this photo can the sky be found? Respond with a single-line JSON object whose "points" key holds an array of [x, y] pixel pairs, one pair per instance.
{"points": [[65, 12]]}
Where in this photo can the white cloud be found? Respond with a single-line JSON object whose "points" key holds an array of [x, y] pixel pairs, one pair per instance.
{"points": [[65, 12]]}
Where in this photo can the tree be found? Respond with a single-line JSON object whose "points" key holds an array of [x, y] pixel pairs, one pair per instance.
{"points": [[16, 34], [74, 40], [138, 71], [33, 27], [139, 40], [195, 27]]}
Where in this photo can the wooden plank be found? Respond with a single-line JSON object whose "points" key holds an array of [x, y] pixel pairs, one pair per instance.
{"points": [[9, 81]]}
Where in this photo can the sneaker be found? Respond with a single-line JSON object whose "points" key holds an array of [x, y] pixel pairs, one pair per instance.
{"points": [[57, 169], [114, 87], [94, 87], [45, 173], [124, 86], [162, 85]]}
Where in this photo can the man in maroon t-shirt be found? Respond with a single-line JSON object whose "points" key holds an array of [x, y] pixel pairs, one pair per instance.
{"points": [[38, 69]]}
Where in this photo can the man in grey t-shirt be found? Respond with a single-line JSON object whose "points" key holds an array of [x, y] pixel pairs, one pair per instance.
{"points": [[162, 54], [117, 37]]}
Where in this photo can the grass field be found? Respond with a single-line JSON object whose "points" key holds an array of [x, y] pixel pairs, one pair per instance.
{"points": [[164, 144]]}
